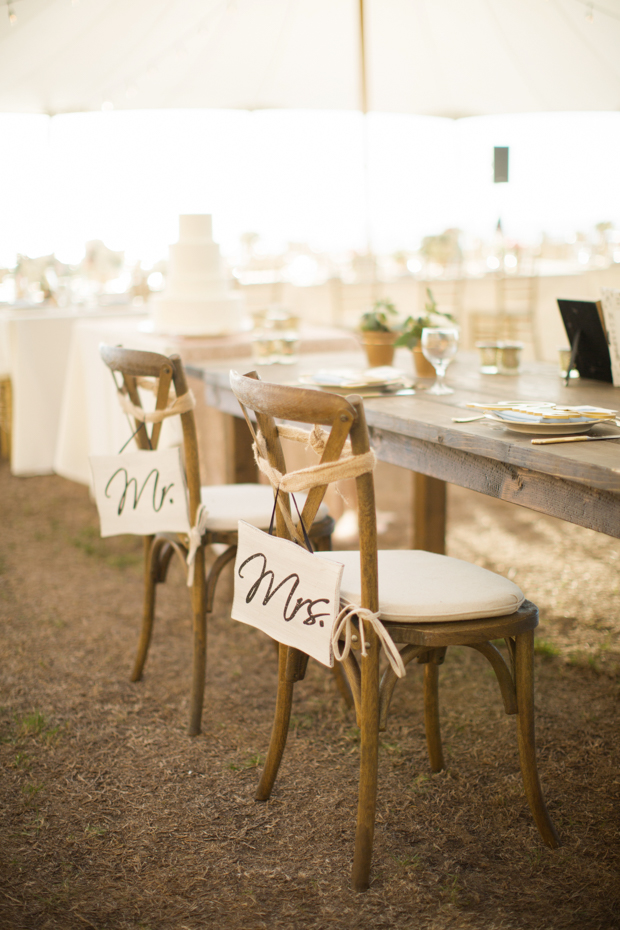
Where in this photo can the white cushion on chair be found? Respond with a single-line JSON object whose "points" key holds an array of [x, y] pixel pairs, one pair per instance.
{"points": [[418, 586], [228, 503]]}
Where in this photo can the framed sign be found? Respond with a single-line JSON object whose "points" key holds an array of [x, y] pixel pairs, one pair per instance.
{"points": [[583, 322], [287, 592], [141, 492]]}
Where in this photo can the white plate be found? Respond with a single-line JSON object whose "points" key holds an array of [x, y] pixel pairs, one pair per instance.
{"points": [[544, 429], [347, 380]]}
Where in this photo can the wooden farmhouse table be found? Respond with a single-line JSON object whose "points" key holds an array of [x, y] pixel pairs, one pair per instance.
{"points": [[578, 481]]}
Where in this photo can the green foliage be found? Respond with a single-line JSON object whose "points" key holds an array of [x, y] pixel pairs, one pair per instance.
{"points": [[301, 722], [118, 552], [32, 724], [376, 320], [413, 325], [546, 649], [253, 762], [22, 761]]}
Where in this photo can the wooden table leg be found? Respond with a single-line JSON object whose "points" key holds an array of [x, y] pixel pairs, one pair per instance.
{"points": [[224, 443], [429, 513], [246, 471]]}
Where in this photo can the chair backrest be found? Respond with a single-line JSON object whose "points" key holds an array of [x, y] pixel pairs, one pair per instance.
{"points": [[349, 300], [346, 420], [162, 373], [516, 293]]}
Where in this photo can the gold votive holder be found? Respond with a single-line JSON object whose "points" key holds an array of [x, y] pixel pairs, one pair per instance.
{"points": [[488, 357], [275, 337], [564, 355], [509, 358]]}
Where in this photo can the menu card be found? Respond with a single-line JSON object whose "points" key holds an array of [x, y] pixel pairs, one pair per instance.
{"points": [[610, 301]]}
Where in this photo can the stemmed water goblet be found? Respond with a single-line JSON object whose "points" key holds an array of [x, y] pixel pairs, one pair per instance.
{"points": [[439, 346]]}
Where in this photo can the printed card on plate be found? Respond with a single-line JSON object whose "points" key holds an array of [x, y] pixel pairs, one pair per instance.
{"points": [[287, 592]]}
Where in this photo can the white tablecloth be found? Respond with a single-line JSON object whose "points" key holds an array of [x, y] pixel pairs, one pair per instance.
{"points": [[34, 353], [91, 421]]}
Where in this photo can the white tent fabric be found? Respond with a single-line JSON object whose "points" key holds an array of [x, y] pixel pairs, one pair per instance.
{"points": [[438, 57]]}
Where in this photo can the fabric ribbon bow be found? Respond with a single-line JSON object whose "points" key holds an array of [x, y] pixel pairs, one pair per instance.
{"points": [[344, 622], [194, 539]]}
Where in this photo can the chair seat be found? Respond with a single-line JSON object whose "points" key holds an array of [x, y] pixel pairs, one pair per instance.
{"points": [[228, 503], [417, 586]]}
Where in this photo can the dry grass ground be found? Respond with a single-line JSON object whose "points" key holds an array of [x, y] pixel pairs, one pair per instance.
{"points": [[113, 818]]}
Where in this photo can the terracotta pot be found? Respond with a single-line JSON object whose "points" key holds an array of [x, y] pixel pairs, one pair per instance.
{"points": [[423, 367], [379, 347]]}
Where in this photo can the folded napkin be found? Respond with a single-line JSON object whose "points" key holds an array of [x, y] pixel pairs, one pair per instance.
{"points": [[353, 377], [523, 416]]}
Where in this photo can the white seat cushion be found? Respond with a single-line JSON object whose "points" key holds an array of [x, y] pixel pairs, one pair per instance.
{"points": [[228, 503], [417, 586]]}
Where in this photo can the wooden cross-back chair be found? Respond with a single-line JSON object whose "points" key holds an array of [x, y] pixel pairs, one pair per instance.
{"points": [[224, 506], [426, 603], [514, 316]]}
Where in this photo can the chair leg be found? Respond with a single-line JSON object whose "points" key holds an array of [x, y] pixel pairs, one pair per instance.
{"points": [[369, 760], [322, 543], [524, 680], [199, 658], [151, 556], [343, 685], [216, 569], [279, 732], [431, 715]]}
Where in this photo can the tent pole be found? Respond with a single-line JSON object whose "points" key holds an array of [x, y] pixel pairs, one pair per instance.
{"points": [[363, 78], [365, 143]]}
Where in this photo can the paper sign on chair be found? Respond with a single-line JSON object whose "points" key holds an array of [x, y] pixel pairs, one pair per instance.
{"points": [[141, 492], [287, 592]]}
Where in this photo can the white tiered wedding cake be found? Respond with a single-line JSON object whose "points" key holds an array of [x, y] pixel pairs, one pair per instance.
{"points": [[197, 300]]}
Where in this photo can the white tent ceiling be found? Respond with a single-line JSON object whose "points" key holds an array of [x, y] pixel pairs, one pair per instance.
{"points": [[448, 58]]}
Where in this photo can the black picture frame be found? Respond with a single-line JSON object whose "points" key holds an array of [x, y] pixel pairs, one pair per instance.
{"points": [[584, 326]]}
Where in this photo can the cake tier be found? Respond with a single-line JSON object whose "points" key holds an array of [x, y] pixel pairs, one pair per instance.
{"points": [[197, 286], [195, 226], [192, 257], [189, 317]]}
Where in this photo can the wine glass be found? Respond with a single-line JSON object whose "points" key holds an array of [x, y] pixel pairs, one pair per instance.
{"points": [[439, 346]]}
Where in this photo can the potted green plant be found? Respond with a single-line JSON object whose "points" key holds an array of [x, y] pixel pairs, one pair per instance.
{"points": [[411, 333], [378, 333]]}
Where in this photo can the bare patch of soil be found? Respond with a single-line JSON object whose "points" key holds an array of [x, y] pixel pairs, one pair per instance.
{"points": [[112, 817]]}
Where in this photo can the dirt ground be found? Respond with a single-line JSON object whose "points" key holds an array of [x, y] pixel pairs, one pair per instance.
{"points": [[112, 817]]}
